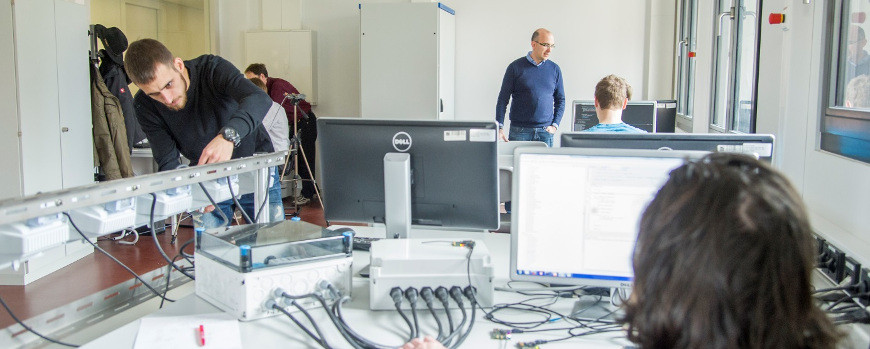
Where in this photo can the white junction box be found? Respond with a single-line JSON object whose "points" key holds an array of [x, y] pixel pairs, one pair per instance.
{"points": [[239, 268], [419, 263]]}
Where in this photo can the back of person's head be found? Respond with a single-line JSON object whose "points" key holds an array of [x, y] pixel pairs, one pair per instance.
{"points": [[142, 58], [724, 259], [259, 83], [257, 69], [858, 92], [612, 91]]}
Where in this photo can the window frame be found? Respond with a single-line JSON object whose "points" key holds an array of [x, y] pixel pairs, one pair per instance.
{"points": [[840, 127]]}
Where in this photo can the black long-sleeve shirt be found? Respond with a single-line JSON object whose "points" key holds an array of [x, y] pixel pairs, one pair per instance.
{"points": [[218, 96]]}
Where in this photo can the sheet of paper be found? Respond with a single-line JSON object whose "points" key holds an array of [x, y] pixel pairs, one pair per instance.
{"points": [[182, 332]]}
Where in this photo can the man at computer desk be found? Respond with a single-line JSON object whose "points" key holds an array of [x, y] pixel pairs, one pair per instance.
{"points": [[611, 96], [724, 259]]}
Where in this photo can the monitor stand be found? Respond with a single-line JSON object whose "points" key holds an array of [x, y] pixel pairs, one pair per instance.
{"points": [[596, 308], [397, 195]]}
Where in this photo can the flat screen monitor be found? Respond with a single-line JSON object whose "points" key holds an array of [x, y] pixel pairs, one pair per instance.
{"points": [[666, 116], [760, 145], [453, 170], [640, 114], [577, 212]]}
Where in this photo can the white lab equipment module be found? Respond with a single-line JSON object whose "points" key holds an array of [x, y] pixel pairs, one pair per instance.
{"points": [[418, 263], [407, 61]]}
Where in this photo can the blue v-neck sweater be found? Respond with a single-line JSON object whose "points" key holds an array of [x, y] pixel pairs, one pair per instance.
{"points": [[537, 93]]}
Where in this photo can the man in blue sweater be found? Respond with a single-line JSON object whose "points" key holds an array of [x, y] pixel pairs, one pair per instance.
{"points": [[535, 84], [611, 97]]}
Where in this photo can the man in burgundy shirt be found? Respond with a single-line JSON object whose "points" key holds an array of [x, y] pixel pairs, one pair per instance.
{"points": [[277, 90]]}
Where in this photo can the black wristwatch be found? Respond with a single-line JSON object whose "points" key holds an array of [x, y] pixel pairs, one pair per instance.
{"points": [[231, 135]]}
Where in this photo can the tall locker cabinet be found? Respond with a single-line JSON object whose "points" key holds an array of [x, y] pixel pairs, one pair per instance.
{"points": [[407, 61], [45, 112], [45, 97]]}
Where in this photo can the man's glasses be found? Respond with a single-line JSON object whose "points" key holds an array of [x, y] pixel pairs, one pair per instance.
{"points": [[545, 45]]}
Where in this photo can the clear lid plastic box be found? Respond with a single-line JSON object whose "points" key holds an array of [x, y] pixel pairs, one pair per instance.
{"points": [[252, 247]]}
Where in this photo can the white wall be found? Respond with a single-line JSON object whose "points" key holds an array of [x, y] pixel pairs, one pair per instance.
{"points": [[835, 189], [593, 38]]}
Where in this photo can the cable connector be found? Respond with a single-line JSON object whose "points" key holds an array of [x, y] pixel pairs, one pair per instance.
{"points": [[464, 243], [428, 295], [443, 296], [411, 294], [396, 294], [530, 345], [456, 294], [500, 334], [470, 293]]}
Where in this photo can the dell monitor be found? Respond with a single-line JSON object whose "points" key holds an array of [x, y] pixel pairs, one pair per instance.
{"points": [[640, 114], [425, 173], [759, 145], [577, 212]]}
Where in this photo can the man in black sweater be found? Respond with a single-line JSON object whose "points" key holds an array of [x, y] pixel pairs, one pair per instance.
{"points": [[202, 108]]}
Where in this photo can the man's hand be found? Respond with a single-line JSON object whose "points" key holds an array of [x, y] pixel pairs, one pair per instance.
{"points": [[551, 129], [218, 150], [501, 135], [207, 209]]}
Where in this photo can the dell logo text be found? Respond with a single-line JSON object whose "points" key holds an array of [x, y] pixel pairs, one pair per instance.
{"points": [[402, 141]]}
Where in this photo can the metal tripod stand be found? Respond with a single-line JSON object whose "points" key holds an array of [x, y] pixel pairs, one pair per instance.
{"points": [[295, 150]]}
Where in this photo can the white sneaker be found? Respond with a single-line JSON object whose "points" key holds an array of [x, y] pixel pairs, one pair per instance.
{"points": [[301, 200]]}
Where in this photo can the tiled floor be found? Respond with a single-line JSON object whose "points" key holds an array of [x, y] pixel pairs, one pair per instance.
{"points": [[97, 272]]}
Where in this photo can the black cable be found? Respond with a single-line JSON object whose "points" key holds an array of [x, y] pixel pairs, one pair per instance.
{"points": [[265, 198], [469, 293], [169, 268], [358, 339], [213, 203], [351, 336], [441, 295], [168, 275], [157, 244], [428, 297], [236, 201], [28, 328], [396, 294], [98, 248], [313, 323], [411, 294], [293, 318]]}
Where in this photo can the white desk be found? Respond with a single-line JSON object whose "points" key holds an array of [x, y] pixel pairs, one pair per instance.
{"points": [[385, 327]]}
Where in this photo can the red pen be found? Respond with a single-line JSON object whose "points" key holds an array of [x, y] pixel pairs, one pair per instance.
{"points": [[201, 335]]}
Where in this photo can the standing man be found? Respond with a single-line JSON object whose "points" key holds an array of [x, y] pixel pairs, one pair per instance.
{"points": [[278, 89], [204, 109], [611, 97], [535, 84]]}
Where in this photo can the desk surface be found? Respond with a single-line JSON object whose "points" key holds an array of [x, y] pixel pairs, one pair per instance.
{"points": [[385, 327]]}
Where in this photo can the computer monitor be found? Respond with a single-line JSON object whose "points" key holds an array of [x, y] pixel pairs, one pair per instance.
{"points": [[760, 145], [577, 212], [452, 172], [666, 116], [640, 114]]}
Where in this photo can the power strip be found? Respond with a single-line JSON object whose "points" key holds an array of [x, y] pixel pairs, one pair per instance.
{"points": [[418, 263]]}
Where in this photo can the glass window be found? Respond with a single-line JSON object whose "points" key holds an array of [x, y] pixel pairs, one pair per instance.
{"points": [[845, 125], [734, 84], [687, 41]]}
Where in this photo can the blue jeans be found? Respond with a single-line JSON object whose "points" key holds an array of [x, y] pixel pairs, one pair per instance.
{"points": [[213, 219], [530, 134]]}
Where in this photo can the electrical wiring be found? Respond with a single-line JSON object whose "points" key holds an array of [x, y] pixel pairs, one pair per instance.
{"points": [[98, 248], [157, 244], [427, 294], [213, 203], [236, 201], [313, 323], [169, 268], [30, 329], [293, 318]]}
